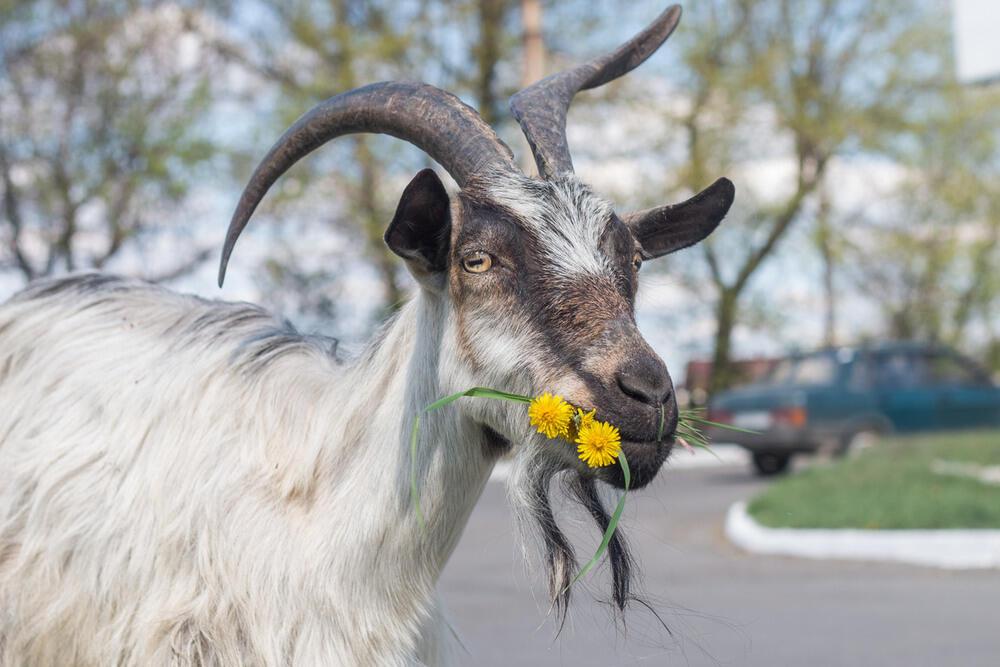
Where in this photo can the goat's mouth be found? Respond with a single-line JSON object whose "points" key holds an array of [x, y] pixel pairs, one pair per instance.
{"points": [[647, 438], [645, 458]]}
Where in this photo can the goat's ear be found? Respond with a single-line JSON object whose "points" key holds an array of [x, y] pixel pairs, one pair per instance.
{"points": [[420, 232], [663, 230]]}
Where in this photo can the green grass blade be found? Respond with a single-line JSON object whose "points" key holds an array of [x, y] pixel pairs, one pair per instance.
{"points": [[475, 392], [688, 431], [727, 427], [701, 444], [414, 493], [478, 392], [612, 525]]}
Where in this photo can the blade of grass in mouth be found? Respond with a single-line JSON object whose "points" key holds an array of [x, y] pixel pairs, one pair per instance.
{"points": [[485, 392], [475, 392], [612, 524]]}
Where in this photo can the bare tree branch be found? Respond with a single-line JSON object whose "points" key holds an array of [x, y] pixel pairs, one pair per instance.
{"points": [[181, 269], [12, 211]]}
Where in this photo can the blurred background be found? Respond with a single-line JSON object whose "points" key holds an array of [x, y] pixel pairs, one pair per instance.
{"points": [[863, 139], [855, 285]]}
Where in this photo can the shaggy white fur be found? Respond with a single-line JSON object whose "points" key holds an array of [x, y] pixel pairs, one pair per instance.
{"points": [[189, 482]]}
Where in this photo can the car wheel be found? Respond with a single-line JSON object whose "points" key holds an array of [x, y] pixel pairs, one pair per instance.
{"points": [[771, 463]]}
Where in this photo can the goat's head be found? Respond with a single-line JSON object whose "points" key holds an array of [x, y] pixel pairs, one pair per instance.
{"points": [[540, 273]]}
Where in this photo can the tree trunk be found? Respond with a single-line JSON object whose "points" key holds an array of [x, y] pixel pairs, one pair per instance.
{"points": [[723, 374], [534, 47], [533, 68], [12, 211], [487, 53], [824, 240]]}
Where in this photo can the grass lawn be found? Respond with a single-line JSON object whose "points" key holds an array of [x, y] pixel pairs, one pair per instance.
{"points": [[890, 486]]}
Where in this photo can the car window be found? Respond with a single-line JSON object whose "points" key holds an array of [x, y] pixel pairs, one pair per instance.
{"points": [[900, 369], [863, 372], [817, 369], [948, 369]]}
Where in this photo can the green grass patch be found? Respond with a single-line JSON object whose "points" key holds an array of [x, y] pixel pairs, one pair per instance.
{"points": [[890, 486]]}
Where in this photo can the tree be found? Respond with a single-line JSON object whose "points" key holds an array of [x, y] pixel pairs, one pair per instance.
{"points": [[935, 252], [799, 81], [98, 132], [826, 240], [493, 44]]}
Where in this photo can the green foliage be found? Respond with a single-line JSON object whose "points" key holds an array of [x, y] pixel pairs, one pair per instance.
{"points": [[937, 260], [98, 128], [805, 81], [890, 486]]}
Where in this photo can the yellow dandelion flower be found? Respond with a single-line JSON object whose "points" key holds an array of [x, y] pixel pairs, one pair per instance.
{"points": [[550, 415], [598, 444], [584, 419], [580, 420]]}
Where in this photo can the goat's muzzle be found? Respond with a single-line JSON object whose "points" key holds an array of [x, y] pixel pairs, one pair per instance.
{"points": [[639, 399]]}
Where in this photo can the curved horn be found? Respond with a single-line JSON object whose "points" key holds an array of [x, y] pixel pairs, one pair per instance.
{"points": [[433, 120], [541, 108]]}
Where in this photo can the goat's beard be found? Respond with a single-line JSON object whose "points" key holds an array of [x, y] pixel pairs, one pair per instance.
{"points": [[529, 491]]}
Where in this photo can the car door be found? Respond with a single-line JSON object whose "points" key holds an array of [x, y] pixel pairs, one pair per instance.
{"points": [[968, 398], [905, 397], [860, 403]]}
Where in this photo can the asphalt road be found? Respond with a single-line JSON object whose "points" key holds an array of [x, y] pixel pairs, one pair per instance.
{"points": [[724, 607]]}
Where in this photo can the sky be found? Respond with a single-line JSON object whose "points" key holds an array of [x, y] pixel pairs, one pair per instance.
{"points": [[976, 25]]}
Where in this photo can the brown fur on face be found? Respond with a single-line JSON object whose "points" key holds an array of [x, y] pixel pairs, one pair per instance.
{"points": [[555, 312]]}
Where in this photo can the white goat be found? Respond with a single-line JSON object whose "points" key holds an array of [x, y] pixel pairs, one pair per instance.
{"points": [[188, 480], [192, 482]]}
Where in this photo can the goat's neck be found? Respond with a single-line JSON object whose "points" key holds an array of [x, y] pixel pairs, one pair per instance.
{"points": [[402, 374]]}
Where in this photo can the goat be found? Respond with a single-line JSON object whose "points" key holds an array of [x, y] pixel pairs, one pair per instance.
{"points": [[191, 482]]}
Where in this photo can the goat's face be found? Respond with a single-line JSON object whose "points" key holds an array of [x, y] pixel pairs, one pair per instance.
{"points": [[542, 277]]}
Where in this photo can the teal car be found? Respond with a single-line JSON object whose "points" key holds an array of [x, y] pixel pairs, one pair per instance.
{"points": [[835, 399]]}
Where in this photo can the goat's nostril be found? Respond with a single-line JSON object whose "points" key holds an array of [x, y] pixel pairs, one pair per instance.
{"points": [[640, 387]]}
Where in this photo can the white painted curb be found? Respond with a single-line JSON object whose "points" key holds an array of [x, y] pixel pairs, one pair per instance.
{"points": [[718, 456], [948, 549]]}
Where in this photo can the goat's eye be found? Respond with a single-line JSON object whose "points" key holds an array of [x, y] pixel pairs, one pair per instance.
{"points": [[637, 261], [477, 262]]}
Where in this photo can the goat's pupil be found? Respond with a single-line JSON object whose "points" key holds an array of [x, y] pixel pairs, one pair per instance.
{"points": [[477, 262]]}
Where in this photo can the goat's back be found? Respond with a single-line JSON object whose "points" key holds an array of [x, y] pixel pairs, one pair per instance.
{"points": [[135, 424]]}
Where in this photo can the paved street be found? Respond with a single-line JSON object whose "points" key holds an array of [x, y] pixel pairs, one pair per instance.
{"points": [[724, 607]]}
